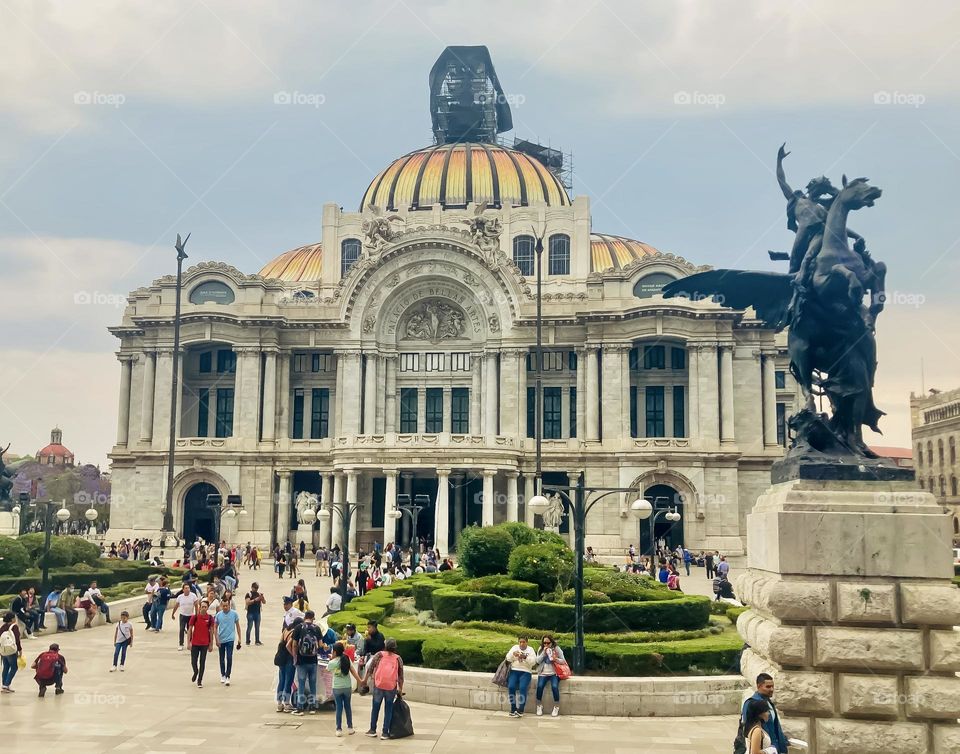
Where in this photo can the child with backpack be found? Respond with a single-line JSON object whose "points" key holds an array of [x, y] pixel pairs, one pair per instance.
{"points": [[51, 666], [386, 670], [122, 639]]}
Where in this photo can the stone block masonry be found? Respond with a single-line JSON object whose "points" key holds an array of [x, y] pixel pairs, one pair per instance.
{"points": [[853, 614]]}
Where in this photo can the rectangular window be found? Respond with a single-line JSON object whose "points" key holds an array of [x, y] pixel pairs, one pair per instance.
{"points": [[460, 362], [553, 361], [678, 358], [203, 410], [320, 412], [559, 260], [408, 409], [655, 424], [780, 379], [654, 357], [531, 412], [206, 362], [434, 410], [552, 413], [634, 359], [434, 362], [572, 361], [679, 412], [460, 410], [224, 418], [634, 428], [409, 362], [298, 414], [782, 424], [301, 362], [573, 411], [226, 362]]}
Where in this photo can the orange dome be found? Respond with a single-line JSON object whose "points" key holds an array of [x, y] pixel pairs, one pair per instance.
{"points": [[615, 252], [296, 265]]}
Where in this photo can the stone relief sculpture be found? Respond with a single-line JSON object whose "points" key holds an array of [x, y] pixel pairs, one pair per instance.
{"points": [[305, 500], [435, 321], [485, 232], [377, 228]]}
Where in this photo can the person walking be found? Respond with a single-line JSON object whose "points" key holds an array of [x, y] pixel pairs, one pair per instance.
{"points": [[286, 669], [686, 559], [50, 667], [200, 636], [756, 716], [304, 646], [254, 600], [303, 549], [10, 650], [185, 604], [344, 673], [723, 568], [151, 591], [386, 669], [547, 673], [228, 632], [122, 640], [522, 660], [776, 741], [280, 563], [708, 562]]}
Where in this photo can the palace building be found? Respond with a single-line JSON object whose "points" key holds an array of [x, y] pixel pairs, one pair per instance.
{"points": [[395, 355]]}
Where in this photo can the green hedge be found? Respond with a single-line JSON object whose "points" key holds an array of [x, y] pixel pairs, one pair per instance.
{"points": [[14, 558], [685, 613], [64, 550], [627, 587], [590, 597], [484, 552], [630, 637], [450, 604], [542, 564], [455, 576], [734, 612], [453, 653], [423, 593], [107, 574], [502, 586]]}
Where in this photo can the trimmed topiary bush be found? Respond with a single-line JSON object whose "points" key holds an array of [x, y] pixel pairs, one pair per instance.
{"points": [[14, 558], [422, 592], [685, 613], [545, 537], [454, 653], [627, 587], [82, 551], [450, 604], [483, 552], [590, 597], [502, 586], [520, 532], [64, 550], [545, 565], [455, 576]]}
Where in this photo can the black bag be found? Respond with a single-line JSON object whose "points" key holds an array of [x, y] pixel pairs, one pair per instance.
{"points": [[282, 658], [401, 725]]}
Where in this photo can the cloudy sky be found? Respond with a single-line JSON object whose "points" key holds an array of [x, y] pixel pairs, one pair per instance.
{"points": [[126, 121]]}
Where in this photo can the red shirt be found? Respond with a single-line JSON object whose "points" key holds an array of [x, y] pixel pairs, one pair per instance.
{"points": [[201, 630]]}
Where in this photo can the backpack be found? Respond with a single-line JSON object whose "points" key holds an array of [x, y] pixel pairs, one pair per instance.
{"points": [[8, 643], [388, 671], [308, 645], [47, 663]]}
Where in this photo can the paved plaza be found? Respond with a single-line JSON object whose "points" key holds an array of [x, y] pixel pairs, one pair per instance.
{"points": [[153, 707]]}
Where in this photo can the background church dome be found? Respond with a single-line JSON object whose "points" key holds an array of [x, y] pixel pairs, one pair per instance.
{"points": [[453, 175]]}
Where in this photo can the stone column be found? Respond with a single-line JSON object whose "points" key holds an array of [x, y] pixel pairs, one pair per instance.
{"points": [[336, 531], [528, 493], [613, 409], [769, 385], [247, 395], [123, 411], [370, 395], [382, 366], [457, 480], [522, 398], [490, 388], [727, 434], [283, 398], [269, 423], [581, 392], [149, 390], [351, 397], [447, 409], [513, 509], [389, 504], [591, 405], [390, 400], [510, 418], [487, 515], [693, 392], [326, 503], [339, 398], [407, 479], [709, 394], [352, 475], [161, 399], [442, 519], [852, 612], [476, 391], [283, 507]]}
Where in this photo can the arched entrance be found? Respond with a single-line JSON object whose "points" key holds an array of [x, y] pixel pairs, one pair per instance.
{"points": [[198, 518], [662, 497]]}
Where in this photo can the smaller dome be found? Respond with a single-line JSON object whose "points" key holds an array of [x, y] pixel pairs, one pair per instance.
{"points": [[297, 265], [616, 252]]}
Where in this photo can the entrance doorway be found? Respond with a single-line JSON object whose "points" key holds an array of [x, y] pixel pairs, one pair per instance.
{"points": [[197, 515], [425, 519], [662, 497]]}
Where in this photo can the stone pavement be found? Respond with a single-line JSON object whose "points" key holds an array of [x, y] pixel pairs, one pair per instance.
{"points": [[153, 707]]}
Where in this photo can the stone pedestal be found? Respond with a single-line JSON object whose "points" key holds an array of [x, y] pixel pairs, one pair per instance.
{"points": [[9, 524], [852, 612], [304, 534]]}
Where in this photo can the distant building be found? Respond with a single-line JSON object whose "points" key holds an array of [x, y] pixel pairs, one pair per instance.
{"points": [[903, 457], [935, 425], [55, 454]]}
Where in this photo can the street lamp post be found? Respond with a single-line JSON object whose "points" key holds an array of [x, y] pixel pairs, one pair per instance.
{"points": [[62, 515], [174, 385], [23, 501], [538, 390], [325, 513], [412, 509], [232, 509], [643, 509], [580, 504]]}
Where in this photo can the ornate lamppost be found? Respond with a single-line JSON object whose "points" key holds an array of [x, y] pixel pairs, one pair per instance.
{"points": [[325, 513], [62, 515], [232, 509], [406, 507], [644, 509]]}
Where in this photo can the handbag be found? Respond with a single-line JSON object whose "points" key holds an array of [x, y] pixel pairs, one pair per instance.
{"points": [[562, 670], [502, 675], [21, 662]]}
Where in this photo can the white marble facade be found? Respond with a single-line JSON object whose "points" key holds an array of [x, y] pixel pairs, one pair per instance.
{"points": [[409, 374]]}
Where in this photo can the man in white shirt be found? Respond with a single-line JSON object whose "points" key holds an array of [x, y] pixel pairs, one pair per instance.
{"points": [[150, 590], [334, 602], [185, 605], [290, 613]]}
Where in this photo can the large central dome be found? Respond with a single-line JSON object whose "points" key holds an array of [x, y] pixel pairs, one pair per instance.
{"points": [[453, 175]]}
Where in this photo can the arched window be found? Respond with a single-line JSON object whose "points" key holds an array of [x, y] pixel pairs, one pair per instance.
{"points": [[922, 484], [920, 454], [559, 254], [523, 251], [931, 488], [349, 254], [940, 451], [929, 453], [953, 486], [953, 450], [943, 486]]}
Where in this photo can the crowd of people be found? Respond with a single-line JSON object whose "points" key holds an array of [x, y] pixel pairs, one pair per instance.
{"points": [[668, 562]]}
